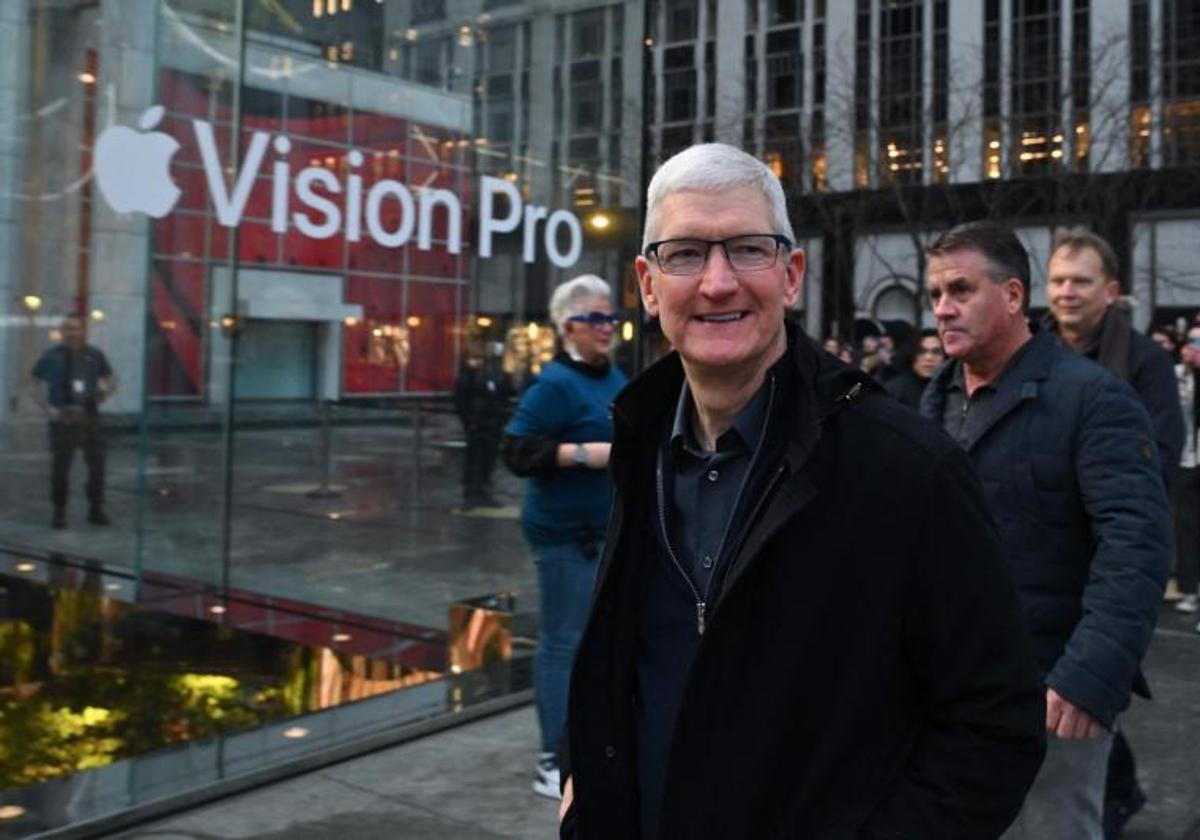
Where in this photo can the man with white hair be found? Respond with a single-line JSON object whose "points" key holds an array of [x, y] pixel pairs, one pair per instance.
{"points": [[723, 687]]}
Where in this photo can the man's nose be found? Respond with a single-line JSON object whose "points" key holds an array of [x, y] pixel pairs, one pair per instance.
{"points": [[717, 278], [943, 307]]}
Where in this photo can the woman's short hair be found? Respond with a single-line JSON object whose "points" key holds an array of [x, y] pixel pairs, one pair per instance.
{"points": [[568, 298], [715, 168]]}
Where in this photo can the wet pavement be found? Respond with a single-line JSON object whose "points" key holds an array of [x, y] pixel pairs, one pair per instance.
{"points": [[392, 543], [473, 781]]}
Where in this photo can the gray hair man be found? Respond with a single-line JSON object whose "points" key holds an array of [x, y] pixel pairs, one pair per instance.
{"points": [[1067, 456], [721, 688]]}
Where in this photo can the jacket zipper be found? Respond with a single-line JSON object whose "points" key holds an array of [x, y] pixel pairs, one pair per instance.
{"points": [[662, 523]]}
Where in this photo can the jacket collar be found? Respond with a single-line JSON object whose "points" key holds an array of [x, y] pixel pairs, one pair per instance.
{"points": [[1023, 382], [821, 385]]}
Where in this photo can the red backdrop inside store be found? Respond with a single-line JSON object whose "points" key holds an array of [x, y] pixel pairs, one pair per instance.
{"points": [[413, 301]]}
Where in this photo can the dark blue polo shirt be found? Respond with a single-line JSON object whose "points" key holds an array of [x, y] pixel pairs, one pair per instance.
{"points": [[72, 377]]}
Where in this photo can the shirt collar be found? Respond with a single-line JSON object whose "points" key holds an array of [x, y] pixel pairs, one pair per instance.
{"points": [[1000, 383], [745, 430]]}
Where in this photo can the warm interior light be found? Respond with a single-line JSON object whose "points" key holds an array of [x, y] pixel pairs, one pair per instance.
{"points": [[11, 812], [97, 314], [25, 567], [533, 330], [627, 331], [341, 637], [350, 321], [600, 221], [32, 302], [217, 609], [87, 78], [413, 321], [483, 321], [295, 732]]}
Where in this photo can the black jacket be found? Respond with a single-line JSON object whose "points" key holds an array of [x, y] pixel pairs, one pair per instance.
{"points": [[1148, 369], [1072, 476], [907, 387], [851, 681]]}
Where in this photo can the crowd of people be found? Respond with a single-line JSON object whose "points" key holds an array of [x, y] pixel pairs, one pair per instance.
{"points": [[1019, 546]]}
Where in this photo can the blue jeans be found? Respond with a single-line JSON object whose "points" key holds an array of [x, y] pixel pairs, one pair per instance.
{"points": [[565, 578]]}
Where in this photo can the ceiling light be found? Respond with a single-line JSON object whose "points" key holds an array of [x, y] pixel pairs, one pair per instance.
{"points": [[295, 732]]}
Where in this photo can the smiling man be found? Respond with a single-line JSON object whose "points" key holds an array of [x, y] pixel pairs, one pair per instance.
{"points": [[1067, 458], [757, 663]]}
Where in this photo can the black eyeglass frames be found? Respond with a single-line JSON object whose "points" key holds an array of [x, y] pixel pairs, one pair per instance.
{"points": [[748, 252]]}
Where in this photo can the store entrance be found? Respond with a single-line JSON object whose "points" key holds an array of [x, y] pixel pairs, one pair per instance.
{"points": [[276, 360]]}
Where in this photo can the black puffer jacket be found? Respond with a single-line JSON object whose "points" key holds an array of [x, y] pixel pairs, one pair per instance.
{"points": [[1072, 476]]}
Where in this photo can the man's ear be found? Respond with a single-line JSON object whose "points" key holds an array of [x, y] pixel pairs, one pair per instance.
{"points": [[1112, 291], [645, 281], [795, 278], [1016, 295]]}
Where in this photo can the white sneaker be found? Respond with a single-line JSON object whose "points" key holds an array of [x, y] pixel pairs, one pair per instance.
{"points": [[1187, 604], [546, 778]]}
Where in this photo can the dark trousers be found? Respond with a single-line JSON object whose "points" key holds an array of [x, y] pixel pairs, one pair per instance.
{"points": [[1185, 506], [79, 432], [483, 447]]}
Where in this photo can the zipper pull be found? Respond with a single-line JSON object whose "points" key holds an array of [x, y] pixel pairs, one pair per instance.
{"points": [[700, 617]]}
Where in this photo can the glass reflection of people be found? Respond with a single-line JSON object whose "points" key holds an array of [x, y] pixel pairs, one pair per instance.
{"points": [[919, 365], [481, 397], [559, 438], [70, 380]]}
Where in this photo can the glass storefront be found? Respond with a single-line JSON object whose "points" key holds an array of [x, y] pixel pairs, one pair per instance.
{"points": [[284, 228]]}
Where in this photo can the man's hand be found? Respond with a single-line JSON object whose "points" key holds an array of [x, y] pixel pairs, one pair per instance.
{"points": [[568, 795], [1067, 721]]}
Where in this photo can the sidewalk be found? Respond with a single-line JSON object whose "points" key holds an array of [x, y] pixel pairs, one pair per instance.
{"points": [[469, 782], [474, 781]]}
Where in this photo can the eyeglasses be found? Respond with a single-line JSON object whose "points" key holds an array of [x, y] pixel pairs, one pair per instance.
{"points": [[686, 257], [595, 318]]}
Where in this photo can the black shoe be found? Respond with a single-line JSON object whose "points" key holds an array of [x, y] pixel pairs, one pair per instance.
{"points": [[99, 517], [59, 521], [1118, 812]]}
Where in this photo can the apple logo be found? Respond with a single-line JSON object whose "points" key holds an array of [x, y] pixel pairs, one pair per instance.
{"points": [[133, 167]]}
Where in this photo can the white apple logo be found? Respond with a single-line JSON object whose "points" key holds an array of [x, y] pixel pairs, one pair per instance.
{"points": [[133, 168]]}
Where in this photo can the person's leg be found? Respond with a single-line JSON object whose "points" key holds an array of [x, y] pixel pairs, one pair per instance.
{"points": [[93, 444], [1067, 797], [470, 464], [490, 451], [1187, 530], [565, 579], [62, 449]]}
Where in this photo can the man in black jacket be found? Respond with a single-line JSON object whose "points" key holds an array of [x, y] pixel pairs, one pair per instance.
{"points": [[1068, 462], [723, 688], [1087, 314]]}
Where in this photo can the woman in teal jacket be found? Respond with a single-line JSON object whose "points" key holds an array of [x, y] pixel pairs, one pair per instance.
{"points": [[559, 439]]}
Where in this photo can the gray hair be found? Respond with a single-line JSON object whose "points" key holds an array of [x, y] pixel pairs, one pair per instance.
{"points": [[567, 298], [714, 168]]}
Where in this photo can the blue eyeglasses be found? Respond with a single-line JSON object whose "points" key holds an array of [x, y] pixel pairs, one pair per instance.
{"points": [[595, 318]]}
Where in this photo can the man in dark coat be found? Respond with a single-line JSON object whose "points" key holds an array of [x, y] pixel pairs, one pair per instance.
{"points": [[1072, 475], [722, 688], [1086, 313], [482, 395]]}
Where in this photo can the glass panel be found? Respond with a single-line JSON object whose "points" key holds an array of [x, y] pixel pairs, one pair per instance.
{"points": [[290, 232]]}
